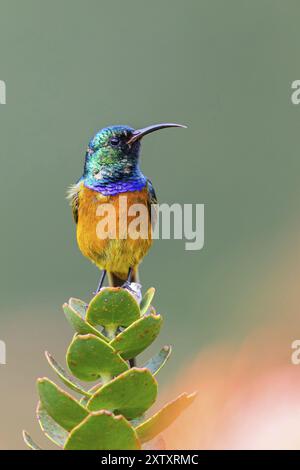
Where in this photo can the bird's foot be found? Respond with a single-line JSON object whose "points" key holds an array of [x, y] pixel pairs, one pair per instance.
{"points": [[127, 285], [103, 274], [131, 287]]}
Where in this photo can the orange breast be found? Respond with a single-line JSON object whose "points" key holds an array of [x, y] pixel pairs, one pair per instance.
{"points": [[114, 231]]}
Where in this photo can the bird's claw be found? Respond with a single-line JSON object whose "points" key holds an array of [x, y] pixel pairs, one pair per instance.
{"points": [[95, 292], [127, 285]]}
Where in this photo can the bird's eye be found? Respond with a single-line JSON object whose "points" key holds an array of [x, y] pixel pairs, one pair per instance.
{"points": [[114, 141]]}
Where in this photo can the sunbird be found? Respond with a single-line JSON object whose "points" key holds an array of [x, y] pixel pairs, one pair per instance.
{"points": [[111, 170]]}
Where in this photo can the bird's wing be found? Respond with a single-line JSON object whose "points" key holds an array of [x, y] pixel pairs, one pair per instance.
{"points": [[152, 203], [73, 196]]}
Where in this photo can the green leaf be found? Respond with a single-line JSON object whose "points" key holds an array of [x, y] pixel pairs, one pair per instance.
{"points": [[64, 376], [80, 325], [146, 300], [103, 431], [84, 400], [137, 421], [159, 360], [79, 306], [51, 429], [138, 336], [164, 417], [113, 307], [129, 394], [29, 442], [90, 358], [63, 408]]}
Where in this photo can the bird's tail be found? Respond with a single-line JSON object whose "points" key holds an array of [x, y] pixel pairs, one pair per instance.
{"points": [[115, 280]]}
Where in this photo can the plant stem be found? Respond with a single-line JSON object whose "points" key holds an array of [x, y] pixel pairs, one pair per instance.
{"points": [[105, 378], [111, 331]]}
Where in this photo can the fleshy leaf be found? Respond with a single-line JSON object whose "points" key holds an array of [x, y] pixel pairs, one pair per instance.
{"points": [[137, 421], [164, 417], [61, 406], [90, 358], [103, 431], [84, 400], [129, 394], [138, 336], [29, 442], [146, 300], [64, 376], [51, 429], [113, 307], [79, 306], [158, 361], [80, 325]]}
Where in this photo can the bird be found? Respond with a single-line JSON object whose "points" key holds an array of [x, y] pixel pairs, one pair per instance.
{"points": [[111, 173]]}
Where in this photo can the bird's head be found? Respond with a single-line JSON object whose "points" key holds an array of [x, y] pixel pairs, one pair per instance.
{"points": [[110, 145], [113, 153]]}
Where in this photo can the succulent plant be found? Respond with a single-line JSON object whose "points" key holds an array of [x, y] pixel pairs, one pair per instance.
{"points": [[111, 414]]}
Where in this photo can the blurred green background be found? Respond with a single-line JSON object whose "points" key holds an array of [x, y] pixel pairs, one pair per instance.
{"points": [[223, 68]]}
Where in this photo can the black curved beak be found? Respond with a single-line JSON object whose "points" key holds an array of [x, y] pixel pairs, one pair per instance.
{"points": [[139, 133]]}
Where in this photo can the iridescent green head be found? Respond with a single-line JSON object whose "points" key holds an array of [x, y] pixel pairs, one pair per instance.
{"points": [[111, 161], [110, 145]]}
